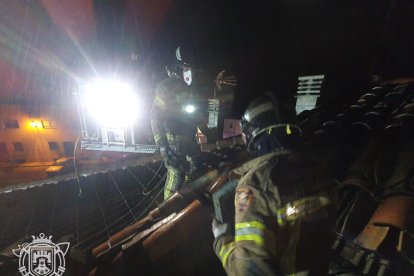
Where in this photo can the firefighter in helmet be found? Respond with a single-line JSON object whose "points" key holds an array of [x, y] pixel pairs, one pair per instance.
{"points": [[284, 201], [175, 117]]}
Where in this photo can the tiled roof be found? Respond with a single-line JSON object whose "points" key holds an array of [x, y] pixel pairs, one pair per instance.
{"points": [[108, 202]]}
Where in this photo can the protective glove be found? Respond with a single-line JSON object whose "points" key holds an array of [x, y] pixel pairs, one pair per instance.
{"points": [[219, 228]]}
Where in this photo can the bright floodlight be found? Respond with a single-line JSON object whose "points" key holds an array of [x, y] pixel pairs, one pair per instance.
{"points": [[111, 103], [189, 108]]}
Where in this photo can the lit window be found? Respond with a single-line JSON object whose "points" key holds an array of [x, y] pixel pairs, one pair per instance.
{"points": [[10, 124], [18, 146], [48, 124], [53, 146], [309, 89]]}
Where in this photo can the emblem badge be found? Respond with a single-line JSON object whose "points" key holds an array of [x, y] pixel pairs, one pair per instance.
{"points": [[244, 198], [42, 257]]}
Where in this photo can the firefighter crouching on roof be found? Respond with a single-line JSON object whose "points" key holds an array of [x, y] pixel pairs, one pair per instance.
{"points": [[175, 117], [284, 200]]}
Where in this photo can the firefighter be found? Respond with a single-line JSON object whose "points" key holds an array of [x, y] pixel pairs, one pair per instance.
{"points": [[175, 117], [284, 201]]}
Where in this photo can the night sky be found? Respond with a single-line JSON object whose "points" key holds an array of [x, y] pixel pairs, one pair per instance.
{"points": [[46, 46]]}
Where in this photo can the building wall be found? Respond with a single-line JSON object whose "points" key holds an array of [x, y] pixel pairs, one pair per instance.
{"points": [[231, 127], [38, 125]]}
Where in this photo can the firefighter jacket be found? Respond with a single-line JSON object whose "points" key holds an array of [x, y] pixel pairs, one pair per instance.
{"points": [[285, 218], [168, 117]]}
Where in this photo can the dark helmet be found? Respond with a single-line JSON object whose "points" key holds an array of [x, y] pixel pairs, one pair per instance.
{"points": [[184, 56], [262, 119]]}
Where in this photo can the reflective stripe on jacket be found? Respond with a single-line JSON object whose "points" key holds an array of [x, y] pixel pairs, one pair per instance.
{"points": [[285, 218]]}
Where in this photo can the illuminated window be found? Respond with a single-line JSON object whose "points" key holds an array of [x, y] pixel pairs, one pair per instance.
{"points": [[48, 124], [309, 88], [213, 112], [10, 124], [18, 146], [53, 146]]}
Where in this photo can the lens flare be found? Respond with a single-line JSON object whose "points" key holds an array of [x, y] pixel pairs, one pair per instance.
{"points": [[189, 108], [111, 103]]}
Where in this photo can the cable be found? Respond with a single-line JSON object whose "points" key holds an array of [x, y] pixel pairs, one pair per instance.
{"points": [[117, 222], [347, 213], [145, 193], [100, 207], [76, 167], [146, 209], [123, 198], [139, 181], [155, 173], [160, 182]]}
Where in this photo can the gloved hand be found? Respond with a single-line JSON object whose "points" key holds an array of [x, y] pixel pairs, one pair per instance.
{"points": [[170, 157], [219, 228]]}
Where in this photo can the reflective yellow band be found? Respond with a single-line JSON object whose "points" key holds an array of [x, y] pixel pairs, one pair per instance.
{"points": [[170, 176], [288, 131], [252, 224], [159, 101], [157, 137], [226, 247], [249, 231], [255, 238], [301, 208], [225, 257], [225, 252]]}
